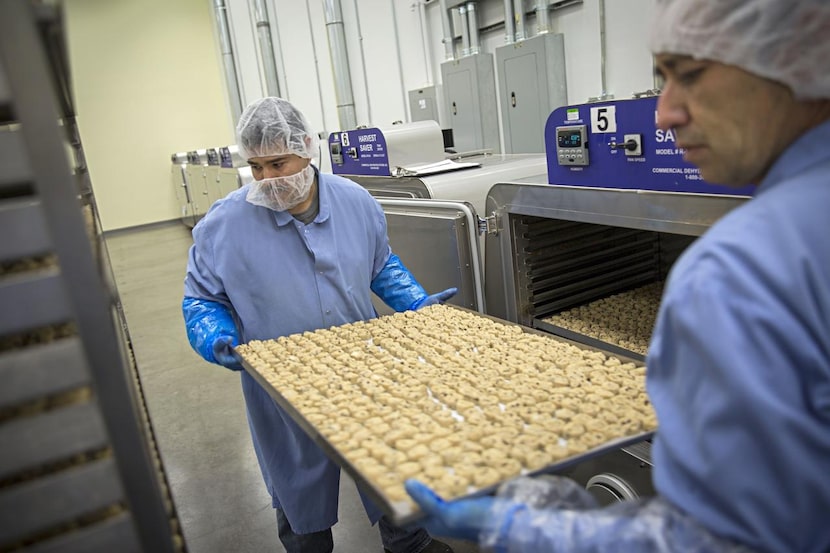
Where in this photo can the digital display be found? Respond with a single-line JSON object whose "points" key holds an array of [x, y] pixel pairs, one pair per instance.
{"points": [[570, 139]]}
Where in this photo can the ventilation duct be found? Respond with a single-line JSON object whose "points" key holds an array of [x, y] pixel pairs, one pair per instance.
{"points": [[509, 23], [472, 23], [465, 31], [346, 114], [519, 14], [542, 17], [266, 47], [425, 42], [446, 24], [220, 11]]}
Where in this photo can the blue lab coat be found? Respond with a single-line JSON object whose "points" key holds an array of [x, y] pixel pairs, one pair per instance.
{"points": [[739, 364], [281, 277]]}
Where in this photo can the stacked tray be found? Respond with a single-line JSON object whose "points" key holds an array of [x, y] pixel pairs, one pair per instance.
{"points": [[456, 399], [621, 323]]}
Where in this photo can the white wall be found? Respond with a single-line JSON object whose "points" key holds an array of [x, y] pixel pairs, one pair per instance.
{"points": [[393, 51], [148, 76], [146, 84]]}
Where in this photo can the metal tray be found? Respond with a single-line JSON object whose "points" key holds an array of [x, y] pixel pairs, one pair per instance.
{"points": [[404, 512], [591, 342]]}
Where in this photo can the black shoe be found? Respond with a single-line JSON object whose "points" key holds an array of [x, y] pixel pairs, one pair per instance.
{"points": [[434, 546]]}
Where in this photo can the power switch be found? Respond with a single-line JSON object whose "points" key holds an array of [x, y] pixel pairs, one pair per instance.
{"points": [[633, 144]]}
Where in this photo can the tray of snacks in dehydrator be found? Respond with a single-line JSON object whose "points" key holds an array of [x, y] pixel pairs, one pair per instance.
{"points": [[459, 400]]}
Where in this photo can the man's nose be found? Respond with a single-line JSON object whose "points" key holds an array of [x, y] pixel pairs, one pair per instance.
{"points": [[671, 112]]}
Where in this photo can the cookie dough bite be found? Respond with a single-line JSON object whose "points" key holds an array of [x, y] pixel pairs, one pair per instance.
{"points": [[573, 430], [593, 424], [453, 485], [556, 451], [405, 444], [588, 408], [485, 476], [602, 392], [396, 434], [408, 469], [493, 413], [388, 480], [442, 431], [435, 472], [472, 434], [347, 445], [474, 416], [649, 421], [593, 438], [564, 414], [359, 453], [392, 457], [514, 418], [490, 457], [374, 451], [533, 460], [497, 441], [530, 441], [316, 418], [431, 459], [452, 455], [630, 424], [439, 445], [508, 468]]}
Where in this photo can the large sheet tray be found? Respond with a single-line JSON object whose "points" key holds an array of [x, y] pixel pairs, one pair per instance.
{"points": [[401, 509]]}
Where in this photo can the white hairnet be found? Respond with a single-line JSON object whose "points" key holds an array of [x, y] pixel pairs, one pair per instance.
{"points": [[783, 40], [273, 126]]}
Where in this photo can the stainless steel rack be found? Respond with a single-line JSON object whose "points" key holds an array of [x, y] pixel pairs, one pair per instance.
{"points": [[79, 471]]}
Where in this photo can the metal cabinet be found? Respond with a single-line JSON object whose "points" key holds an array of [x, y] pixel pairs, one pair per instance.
{"points": [[423, 105], [470, 96], [531, 77], [200, 177]]}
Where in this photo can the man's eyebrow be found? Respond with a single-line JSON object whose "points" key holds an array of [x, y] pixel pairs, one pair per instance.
{"points": [[268, 160], [669, 63], [666, 63]]}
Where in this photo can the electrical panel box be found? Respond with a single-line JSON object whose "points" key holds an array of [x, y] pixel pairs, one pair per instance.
{"points": [[423, 104], [616, 144], [532, 84], [470, 96]]}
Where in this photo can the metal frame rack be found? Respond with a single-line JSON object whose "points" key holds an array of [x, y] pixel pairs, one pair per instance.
{"points": [[79, 470]]}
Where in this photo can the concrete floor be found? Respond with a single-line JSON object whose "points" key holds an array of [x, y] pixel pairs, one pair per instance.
{"points": [[198, 413]]}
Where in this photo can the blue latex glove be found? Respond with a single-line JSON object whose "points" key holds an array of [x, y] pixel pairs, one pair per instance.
{"points": [[223, 352], [462, 519], [434, 299], [396, 286], [398, 289], [211, 331]]}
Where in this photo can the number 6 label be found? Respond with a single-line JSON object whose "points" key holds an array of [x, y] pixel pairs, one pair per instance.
{"points": [[604, 119]]}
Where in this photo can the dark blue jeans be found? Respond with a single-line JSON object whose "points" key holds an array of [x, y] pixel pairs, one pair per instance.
{"points": [[394, 538]]}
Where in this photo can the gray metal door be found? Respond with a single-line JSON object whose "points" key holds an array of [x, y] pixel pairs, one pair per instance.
{"points": [[438, 242], [524, 120], [463, 106]]}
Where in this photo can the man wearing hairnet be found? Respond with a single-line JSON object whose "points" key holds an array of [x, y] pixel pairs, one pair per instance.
{"points": [[739, 362], [294, 251]]}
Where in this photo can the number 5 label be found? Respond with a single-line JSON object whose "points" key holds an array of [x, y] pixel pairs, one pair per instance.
{"points": [[604, 119]]}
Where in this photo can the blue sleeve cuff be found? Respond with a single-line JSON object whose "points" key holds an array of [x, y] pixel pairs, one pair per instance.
{"points": [[205, 322], [397, 287]]}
